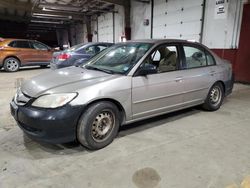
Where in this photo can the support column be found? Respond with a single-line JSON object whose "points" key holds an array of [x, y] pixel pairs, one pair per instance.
{"points": [[127, 7], [88, 25]]}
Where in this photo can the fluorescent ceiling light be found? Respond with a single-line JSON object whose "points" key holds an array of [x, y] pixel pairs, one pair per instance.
{"points": [[41, 21], [52, 15]]}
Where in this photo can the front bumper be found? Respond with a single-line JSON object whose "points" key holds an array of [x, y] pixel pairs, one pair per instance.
{"points": [[49, 125]]}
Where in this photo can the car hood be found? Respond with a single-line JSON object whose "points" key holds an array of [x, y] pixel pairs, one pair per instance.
{"points": [[68, 79]]}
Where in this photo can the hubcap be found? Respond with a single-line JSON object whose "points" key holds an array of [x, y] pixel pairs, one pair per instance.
{"points": [[12, 65], [215, 95], [102, 126]]}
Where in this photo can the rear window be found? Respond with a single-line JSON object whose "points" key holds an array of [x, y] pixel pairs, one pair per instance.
{"points": [[92, 50], [39, 46], [75, 48]]}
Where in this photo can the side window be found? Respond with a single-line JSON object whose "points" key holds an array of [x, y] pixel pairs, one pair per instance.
{"points": [[101, 48], [194, 57], [164, 58], [210, 59], [39, 46], [12, 44], [156, 56], [90, 50], [22, 44]]}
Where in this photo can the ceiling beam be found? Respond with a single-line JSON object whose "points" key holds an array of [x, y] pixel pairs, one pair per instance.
{"points": [[51, 26], [65, 14], [116, 2], [16, 5], [59, 7], [144, 1]]}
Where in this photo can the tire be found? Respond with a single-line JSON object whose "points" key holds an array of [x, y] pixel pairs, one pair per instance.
{"points": [[214, 98], [98, 126], [11, 64]]}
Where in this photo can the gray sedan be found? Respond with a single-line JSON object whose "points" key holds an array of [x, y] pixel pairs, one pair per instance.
{"points": [[128, 82]]}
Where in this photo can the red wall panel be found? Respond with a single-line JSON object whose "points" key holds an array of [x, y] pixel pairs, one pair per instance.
{"points": [[242, 67], [228, 54], [240, 58]]}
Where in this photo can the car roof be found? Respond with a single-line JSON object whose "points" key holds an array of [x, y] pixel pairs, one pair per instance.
{"points": [[95, 43], [158, 41], [85, 45], [11, 39], [8, 40], [162, 41]]}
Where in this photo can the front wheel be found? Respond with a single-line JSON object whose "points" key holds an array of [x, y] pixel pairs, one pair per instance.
{"points": [[11, 64], [98, 125], [214, 98]]}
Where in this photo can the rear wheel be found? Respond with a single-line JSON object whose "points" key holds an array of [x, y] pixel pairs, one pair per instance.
{"points": [[11, 64], [99, 125], [214, 98]]}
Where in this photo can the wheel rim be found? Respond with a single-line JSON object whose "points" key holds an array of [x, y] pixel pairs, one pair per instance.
{"points": [[12, 65], [103, 125], [215, 95]]}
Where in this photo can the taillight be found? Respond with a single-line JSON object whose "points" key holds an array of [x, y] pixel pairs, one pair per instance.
{"points": [[63, 57]]}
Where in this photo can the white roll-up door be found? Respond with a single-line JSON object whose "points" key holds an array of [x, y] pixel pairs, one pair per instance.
{"points": [[180, 19], [105, 28]]}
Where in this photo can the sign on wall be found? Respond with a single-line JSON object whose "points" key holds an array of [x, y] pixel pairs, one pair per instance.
{"points": [[221, 9]]}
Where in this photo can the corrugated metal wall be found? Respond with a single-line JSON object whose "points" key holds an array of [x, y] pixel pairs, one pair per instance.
{"points": [[105, 28], [179, 19]]}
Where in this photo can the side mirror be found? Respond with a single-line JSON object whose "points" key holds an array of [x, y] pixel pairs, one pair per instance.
{"points": [[147, 69]]}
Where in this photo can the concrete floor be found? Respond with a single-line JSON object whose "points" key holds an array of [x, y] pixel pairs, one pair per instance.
{"points": [[188, 149]]}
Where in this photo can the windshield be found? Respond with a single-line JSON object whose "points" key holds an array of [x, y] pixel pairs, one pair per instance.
{"points": [[119, 58]]}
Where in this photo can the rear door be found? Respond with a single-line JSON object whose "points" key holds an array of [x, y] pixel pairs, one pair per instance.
{"points": [[43, 53], [198, 73], [161, 92]]}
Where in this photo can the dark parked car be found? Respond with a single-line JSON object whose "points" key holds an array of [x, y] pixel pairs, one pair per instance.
{"points": [[77, 55], [16, 53]]}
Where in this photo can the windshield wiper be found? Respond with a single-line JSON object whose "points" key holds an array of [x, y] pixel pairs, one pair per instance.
{"points": [[99, 69]]}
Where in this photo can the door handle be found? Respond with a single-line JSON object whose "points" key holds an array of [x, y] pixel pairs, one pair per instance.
{"points": [[179, 79], [212, 73]]}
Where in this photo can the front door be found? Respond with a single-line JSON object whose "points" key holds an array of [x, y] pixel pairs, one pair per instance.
{"points": [[159, 92]]}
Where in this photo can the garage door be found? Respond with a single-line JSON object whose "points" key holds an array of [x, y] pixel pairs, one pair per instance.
{"points": [[179, 19], [105, 28]]}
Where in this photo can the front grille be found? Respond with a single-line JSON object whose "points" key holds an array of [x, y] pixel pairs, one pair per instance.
{"points": [[21, 98]]}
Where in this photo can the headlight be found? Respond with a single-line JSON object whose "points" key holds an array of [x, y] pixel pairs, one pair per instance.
{"points": [[54, 100]]}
